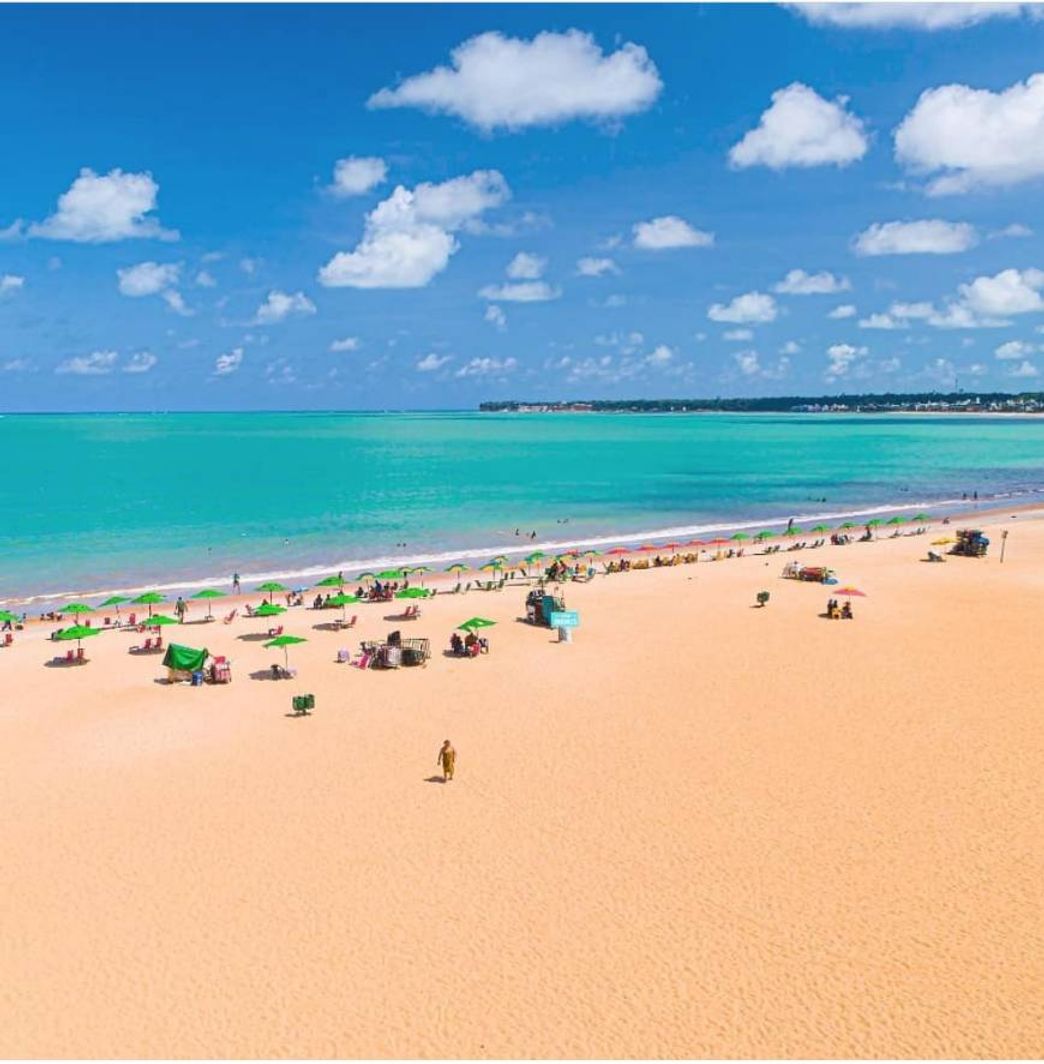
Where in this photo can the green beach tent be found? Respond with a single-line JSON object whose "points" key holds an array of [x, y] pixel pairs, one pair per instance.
{"points": [[184, 659]]}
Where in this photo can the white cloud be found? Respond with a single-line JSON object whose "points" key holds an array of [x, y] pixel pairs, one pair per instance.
{"points": [[142, 362], [525, 266], [11, 283], [147, 278], [800, 128], [790, 348], [95, 364], [278, 306], [205, 279], [99, 209], [348, 343], [431, 362], [228, 363], [959, 316], [799, 283], [16, 365], [975, 138], [1016, 229], [176, 303], [356, 175], [845, 310], [487, 367], [750, 365], [250, 266], [738, 334], [661, 355], [507, 82], [279, 371], [750, 307], [1008, 292], [595, 267], [881, 321], [408, 237], [841, 357], [1015, 349], [917, 16], [520, 292], [928, 237], [1024, 369], [911, 310], [496, 317], [670, 231]]}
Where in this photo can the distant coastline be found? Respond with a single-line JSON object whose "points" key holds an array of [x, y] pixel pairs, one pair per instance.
{"points": [[1021, 403]]}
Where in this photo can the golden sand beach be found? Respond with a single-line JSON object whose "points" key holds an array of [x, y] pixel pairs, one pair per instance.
{"points": [[699, 829]]}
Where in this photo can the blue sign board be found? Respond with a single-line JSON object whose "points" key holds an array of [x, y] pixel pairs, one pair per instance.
{"points": [[565, 619]]}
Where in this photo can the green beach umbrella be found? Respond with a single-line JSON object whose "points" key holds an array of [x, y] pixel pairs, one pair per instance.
{"points": [[874, 522], [491, 567], [269, 609], [795, 531], [764, 534], [412, 593], [535, 556], [476, 622], [421, 569], [77, 607], [392, 574], [209, 593], [456, 567], [897, 520], [739, 535], [271, 587], [820, 528], [159, 619], [848, 524], [78, 632], [114, 600], [343, 601], [331, 581], [366, 576], [6, 616], [921, 517], [285, 641], [499, 558], [150, 599]]}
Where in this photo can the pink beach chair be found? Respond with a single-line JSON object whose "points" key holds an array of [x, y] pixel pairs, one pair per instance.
{"points": [[273, 632], [70, 656], [231, 617]]}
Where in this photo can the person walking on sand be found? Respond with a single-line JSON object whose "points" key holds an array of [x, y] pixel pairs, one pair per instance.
{"points": [[235, 583], [447, 759], [179, 609]]}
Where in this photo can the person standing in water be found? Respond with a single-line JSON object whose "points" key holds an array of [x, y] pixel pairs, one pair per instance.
{"points": [[235, 583], [447, 759]]}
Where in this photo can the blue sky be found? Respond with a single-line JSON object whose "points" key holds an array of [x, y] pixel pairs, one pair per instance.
{"points": [[424, 207]]}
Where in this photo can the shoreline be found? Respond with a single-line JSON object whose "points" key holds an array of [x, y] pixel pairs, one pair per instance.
{"points": [[352, 566]]}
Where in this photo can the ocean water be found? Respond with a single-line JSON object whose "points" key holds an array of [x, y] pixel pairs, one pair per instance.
{"points": [[98, 503]]}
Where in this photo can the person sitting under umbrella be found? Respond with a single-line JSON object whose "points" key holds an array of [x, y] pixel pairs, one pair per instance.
{"points": [[456, 644], [846, 611]]}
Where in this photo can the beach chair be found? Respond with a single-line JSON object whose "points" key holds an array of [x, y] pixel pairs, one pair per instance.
{"points": [[132, 619], [159, 643], [8, 639], [273, 632], [230, 618], [70, 656], [80, 657], [353, 621], [365, 659], [148, 645]]}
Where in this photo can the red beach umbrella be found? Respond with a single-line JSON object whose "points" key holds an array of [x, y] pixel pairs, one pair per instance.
{"points": [[695, 543], [717, 542], [671, 546], [619, 550], [850, 592]]}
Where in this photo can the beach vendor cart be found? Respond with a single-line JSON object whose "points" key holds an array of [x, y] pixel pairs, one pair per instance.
{"points": [[540, 604], [185, 664], [396, 652]]}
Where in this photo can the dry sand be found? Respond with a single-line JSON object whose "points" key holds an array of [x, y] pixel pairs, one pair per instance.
{"points": [[701, 829]]}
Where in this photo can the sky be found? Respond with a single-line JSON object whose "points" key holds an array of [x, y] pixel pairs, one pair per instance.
{"points": [[424, 207]]}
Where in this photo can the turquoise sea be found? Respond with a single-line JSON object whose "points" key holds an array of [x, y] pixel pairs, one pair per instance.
{"points": [[99, 503]]}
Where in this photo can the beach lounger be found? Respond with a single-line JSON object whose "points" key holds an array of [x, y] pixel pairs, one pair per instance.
{"points": [[273, 632], [353, 621], [230, 618]]}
